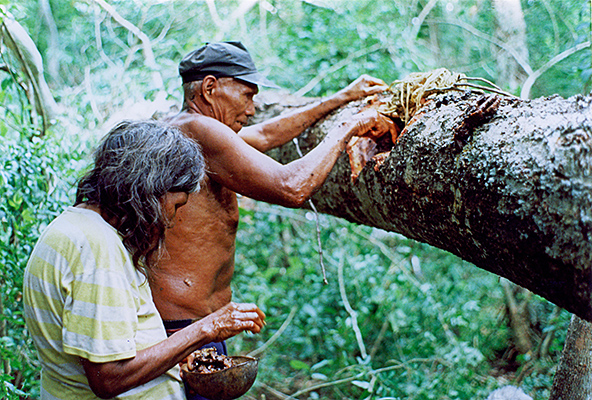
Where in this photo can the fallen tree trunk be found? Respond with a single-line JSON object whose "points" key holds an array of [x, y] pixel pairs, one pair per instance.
{"points": [[514, 197]]}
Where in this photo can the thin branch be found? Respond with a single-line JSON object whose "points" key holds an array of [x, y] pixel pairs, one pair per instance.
{"points": [[554, 22], [314, 209], [228, 24], [91, 97], [532, 77], [388, 253], [523, 63], [275, 392], [336, 67], [418, 21], [479, 79], [399, 365], [149, 59], [162, 35], [276, 335], [352, 313], [380, 337], [99, 40], [326, 384], [24, 49], [214, 14], [459, 85], [53, 41], [451, 336]]}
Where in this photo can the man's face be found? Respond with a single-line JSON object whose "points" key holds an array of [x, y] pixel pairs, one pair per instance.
{"points": [[233, 102]]}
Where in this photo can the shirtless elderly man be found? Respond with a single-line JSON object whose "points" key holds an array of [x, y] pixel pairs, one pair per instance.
{"points": [[219, 82]]}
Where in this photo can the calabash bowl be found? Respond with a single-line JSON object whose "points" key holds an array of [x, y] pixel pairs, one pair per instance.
{"points": [[226, 384]]}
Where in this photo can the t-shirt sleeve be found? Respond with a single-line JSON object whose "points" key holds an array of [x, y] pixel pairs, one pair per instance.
{"points": [[100, 311]]}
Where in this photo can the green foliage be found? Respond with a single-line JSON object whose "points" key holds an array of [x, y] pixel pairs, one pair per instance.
{"points": [[430, 325], [552, 31], [36, 182], [36, 178]]}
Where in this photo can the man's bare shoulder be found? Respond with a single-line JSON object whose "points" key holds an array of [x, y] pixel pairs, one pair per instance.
{"points": [[197, 125], [220, 144], [186, 117]]}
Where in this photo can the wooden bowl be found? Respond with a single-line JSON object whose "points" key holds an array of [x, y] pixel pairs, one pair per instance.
{"points": [[226, 384]]}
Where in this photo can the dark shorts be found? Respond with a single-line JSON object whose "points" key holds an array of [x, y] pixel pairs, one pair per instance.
{"points": [[176, 325]]}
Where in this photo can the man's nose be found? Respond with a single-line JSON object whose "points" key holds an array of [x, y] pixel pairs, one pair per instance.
{"points": [[250, 111]]}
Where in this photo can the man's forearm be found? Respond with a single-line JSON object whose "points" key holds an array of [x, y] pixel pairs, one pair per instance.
{"points": [[283, 128], [302, 177]]}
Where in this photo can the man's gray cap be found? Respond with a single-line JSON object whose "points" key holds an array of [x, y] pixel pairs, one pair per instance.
{"points": [[224, 59]]}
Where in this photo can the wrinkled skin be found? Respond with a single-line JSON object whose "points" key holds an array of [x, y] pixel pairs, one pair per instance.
{"points": [[193, 278], [109, 379]]}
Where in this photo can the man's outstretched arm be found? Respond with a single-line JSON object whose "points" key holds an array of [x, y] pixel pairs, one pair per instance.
{"points": [[281, 129], [243, 169]]}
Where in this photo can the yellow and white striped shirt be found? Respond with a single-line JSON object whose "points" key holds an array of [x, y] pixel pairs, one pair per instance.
{"points": [[84, 298]]}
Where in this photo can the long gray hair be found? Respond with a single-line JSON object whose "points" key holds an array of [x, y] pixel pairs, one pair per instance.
{"points": [[135, 165]]}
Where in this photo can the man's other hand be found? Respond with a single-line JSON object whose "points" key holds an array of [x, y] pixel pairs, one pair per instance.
{"points": [[365, 85], [370, 123]]}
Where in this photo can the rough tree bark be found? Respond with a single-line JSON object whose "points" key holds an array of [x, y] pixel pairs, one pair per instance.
{"points": [[515, 198], [573, 380]]}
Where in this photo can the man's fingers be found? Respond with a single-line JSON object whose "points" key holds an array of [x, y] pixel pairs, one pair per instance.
{"points": [[365, 85], [190, 361], [378, 84], [252, 310]]}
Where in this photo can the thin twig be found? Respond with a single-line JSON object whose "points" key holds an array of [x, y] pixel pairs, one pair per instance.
{"points": [[326, 384], [276, 335], [532, 77], [336, 67], [554, 22], [91, 97], [274, 392], [229, 22], [98, 39], [149, 58], [523, 63], [479, 79], [421, 17], [314, 209], [396, 262], [352, 313], [380, 337], [13, 31], [485, 88], [549, 333], [371, 372], [460, 85]]}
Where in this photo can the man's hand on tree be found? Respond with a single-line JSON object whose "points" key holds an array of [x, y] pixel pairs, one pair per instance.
{"points": [[365, 85], [370, 123]]}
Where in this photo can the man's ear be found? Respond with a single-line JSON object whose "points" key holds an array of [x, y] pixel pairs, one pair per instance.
{"points": [[208, 87]]}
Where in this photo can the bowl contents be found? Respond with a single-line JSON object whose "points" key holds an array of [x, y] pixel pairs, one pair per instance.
{"points": [[208, 360], [219, 377]]}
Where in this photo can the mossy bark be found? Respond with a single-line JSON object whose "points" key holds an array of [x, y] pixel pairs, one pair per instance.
{"points": [[573, 380], [515, 198]]}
